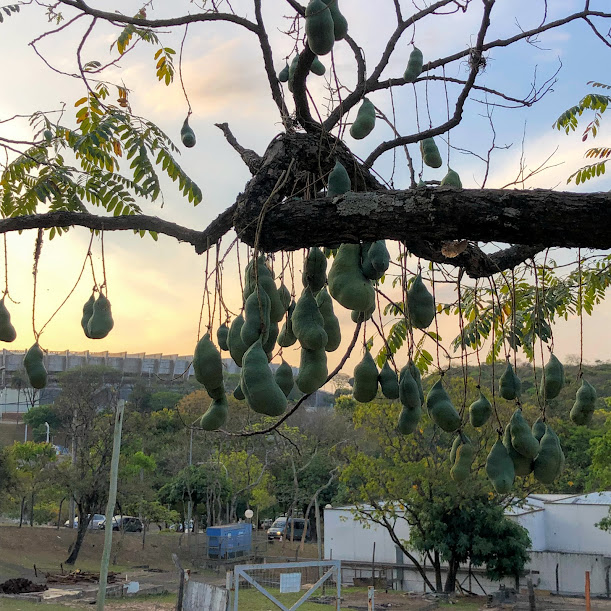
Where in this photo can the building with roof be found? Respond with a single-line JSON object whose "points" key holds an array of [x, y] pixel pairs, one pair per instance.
{"points": [[565, 544]]}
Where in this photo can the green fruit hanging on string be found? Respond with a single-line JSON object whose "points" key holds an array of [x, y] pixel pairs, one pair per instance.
{"points": [[389, 382], [258, 384], [414, 65], [585, 404], [33, 363], [314, 273], [284, 378], [500, 469], [465, 453], [538, 429], [286, 337], [458, 440], [347, 284], [292, 69], [415, 373], [553, 378], [187, 135], [7, 331], [331, 322], [510, 386], [222, 333], [522, 465], [313, 371], [285, 297], [208, 366], [441, 410], [256, 318], [365, 386], [317, 67], [522, 439], [101, 323], [451, 179], [409, 419], [480, 411], [319, 27], [87, 314], [283, 75], [357, 316], [216, 415], [339, 181], [365, 120], [548, 463], [411, 411], [375, 260], [236, 346], [420, 304], [308, 323], [430, 153], [340, 25]]}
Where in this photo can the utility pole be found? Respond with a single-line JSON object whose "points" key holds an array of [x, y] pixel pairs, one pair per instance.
{"points": [[190, 503]]}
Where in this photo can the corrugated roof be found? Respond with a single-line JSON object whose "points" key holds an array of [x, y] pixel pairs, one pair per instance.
{"points": [[593, 498]]}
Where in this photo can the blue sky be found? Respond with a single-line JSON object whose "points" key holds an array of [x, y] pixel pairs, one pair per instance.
{"points": [[156, 289]]}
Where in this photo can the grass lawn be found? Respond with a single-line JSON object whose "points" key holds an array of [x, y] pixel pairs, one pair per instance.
{"points": [[252, 600]]}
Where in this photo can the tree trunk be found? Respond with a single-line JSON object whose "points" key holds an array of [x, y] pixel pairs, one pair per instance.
{"points": [[32, 510], [437, 567], [83, 523], [22, 510], [59, 513], [450, 586]]}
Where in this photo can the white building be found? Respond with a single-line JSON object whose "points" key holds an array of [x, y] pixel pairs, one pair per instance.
{"points": [[565, 544]]}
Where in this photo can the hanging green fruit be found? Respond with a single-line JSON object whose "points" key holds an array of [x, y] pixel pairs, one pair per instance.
{"points": [[389, 382], [430, 153], [409, 419], [283, 75], [365, 120], [339, 181], [237, 347], [101, 323], [500, 469], [414, 65], [347, 284], [480, 411], [7, 331], [87, 314], [340, 25], [319, 27], [308, 323], [314, 273], [284, 378], [222, 333], [238, 394], [548, 463], [465, 453], [286, 337], [365, 386], [330, 321], [256, 318], [208, 366], [522, 465], [585, 404], [317, 67], [33, 363], [375, 260], [522, 439], [451, 179], [187, 135], [510, 386], [553, 378], [458, 440], [420, 304], [313, 371], [441, 410], [216, 415]]}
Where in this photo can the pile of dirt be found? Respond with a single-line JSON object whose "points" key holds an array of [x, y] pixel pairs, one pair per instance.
{"points": [[80, 577], [20, 586]]}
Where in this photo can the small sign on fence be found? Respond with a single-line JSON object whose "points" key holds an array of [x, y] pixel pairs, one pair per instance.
{"points": [[290, 582]]}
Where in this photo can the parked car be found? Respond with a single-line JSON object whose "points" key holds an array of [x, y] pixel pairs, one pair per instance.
{"points": [[128, 524], [94, 523], [283, 528], [266, 523]]}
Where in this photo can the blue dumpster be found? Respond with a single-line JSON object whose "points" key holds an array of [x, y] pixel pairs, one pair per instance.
{"points": [[229, 540]]}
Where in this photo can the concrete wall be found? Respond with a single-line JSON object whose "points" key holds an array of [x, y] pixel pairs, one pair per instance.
{"points": [[571, 528], [534, 523]]}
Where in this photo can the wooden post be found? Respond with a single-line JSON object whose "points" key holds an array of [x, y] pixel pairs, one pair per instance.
{"points": [[373, 565], [370, 598], [110, 506], [181, 583], [532, 601], [587, 590]]}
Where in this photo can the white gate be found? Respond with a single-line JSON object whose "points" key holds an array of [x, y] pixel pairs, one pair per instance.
{"points": [[287, 576]]}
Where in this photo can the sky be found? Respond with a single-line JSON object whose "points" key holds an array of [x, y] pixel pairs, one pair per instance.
{"points": [[156, 288]]}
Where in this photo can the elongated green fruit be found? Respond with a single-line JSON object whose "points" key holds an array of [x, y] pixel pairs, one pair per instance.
{"points": [[216, 415], [480, 411], [510, 386], [7, 331], [420, 304], [187, 135], [522, 465], [283, 75], [238, 394], [389, 383], [256, 318], [500, 469], [286, 337], [339, 181], [87, 314], [237, 347], [409, 393], [312, 370], [375, 260], [538, 429], [365, 120], [522, 439], [314, 273], [34, 367], [331, 322], [365, 386], [101, 323], [319, 27], [408, 419], [458, 440], [414, 65], [553, 378], [208, 366], [222, 333], [465, 453], [284, 378], [451, 179], [585, 404], [347, 284], [317, 67], [308, 323], [548, 463], [441, 410], [415, 373], [340, 25], [430, 153]]}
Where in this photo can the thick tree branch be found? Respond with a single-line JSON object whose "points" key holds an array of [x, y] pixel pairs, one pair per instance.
{"points": [[160, 23], [249, 157], [534, 218]]}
